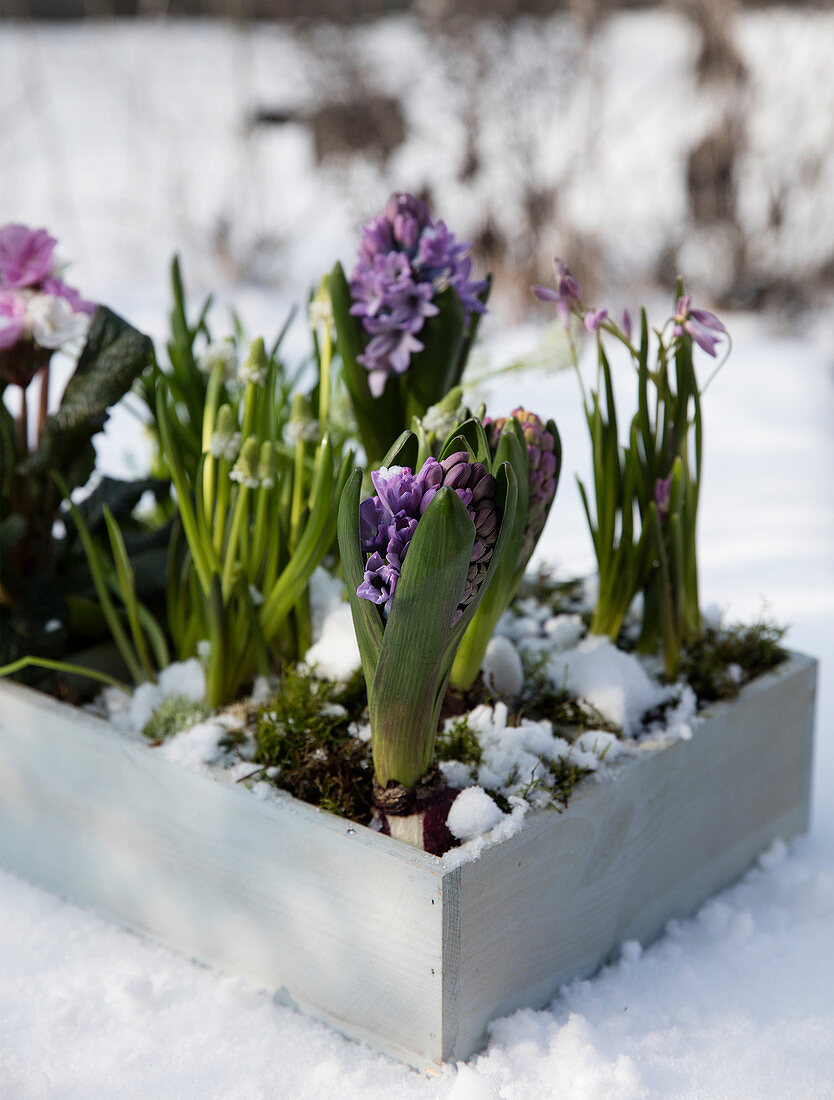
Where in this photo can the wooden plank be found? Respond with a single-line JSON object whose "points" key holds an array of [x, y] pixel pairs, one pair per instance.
{"points": [[341, 922], [632, 851]]}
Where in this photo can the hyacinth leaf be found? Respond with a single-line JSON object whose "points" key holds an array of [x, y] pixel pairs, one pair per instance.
{"points": [[469, 436], [114, 355], [313, 544], [403, 452], [472, 331], [379, 418], [367, 618], [437, 368], [403, 695]]}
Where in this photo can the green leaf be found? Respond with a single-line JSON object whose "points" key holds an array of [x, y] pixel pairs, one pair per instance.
{"points": [[114, 355], [380, 419], [433, 371], [367, 619], [411, 658]]}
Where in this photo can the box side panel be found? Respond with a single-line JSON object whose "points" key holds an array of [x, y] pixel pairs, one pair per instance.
{"points": [[631, 852], [334, 919]]}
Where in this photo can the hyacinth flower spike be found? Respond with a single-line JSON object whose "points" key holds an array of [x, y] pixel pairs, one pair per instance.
{"points": [[413, 589], [405, 320]]}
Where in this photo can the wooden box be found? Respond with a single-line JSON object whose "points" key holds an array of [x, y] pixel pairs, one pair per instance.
{"points": [[379, 940]]}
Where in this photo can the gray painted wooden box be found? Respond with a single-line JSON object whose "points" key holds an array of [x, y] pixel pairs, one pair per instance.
{"points": [[379, 940]]}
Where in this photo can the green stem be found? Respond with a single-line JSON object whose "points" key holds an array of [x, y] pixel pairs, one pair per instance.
{"points": [[61, 666]]}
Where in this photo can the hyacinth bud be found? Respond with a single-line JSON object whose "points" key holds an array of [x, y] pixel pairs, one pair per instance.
{"points": [[225, 442], [543, 470], [389, 519]]}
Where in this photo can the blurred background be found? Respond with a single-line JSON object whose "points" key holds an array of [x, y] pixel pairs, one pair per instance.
{"points": [[637, 139]]}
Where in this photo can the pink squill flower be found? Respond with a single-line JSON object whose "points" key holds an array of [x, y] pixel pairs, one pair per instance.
{"points": [[703, 327], [594, 318], [565, 295], [12, 318], [662, 493], [25, 256]]}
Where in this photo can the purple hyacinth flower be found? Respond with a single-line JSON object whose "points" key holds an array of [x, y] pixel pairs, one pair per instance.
{"points": [[25, 256], [404, 260], [398, 491], [389, 519], [702, 326], [594, 318], [12, 318], [379, 582]]}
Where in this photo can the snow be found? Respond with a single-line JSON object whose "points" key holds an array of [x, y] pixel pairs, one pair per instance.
{"points": [[335, 655], [196, 747], [472, 813], [501, 667]]}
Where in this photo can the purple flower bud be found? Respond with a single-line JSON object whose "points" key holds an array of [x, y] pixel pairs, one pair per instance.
{"points": [[404, 260], [567, 293], [662, 492], [541, 465], [625, 324], [25, 255], [594, 318]]}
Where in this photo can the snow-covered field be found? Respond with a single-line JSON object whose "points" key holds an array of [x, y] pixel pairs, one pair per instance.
{"points": [[736, 1002]]}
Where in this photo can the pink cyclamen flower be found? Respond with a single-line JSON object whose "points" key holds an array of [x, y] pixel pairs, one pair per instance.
{"points": [[25, 256], [12, 318], [60, 289], [703, 327]]}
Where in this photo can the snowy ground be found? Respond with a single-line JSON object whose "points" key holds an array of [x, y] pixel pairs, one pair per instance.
{"points": [[737, 1002]]}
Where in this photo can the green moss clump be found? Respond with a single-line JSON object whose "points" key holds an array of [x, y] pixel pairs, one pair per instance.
{"points": [[726, 658], [303, 732], [172, 715], [459, 742]]}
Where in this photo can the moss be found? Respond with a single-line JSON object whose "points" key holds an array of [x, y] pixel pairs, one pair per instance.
{"points": [[563, 778], [461, 743], [725, 659], [172, 715], [303, 732]]}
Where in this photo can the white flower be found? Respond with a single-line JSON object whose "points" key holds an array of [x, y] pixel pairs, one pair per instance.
{"points": [[219, 353], [225, 446], [303, 431], [321, 310], [53, 323], [249, 372]]}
